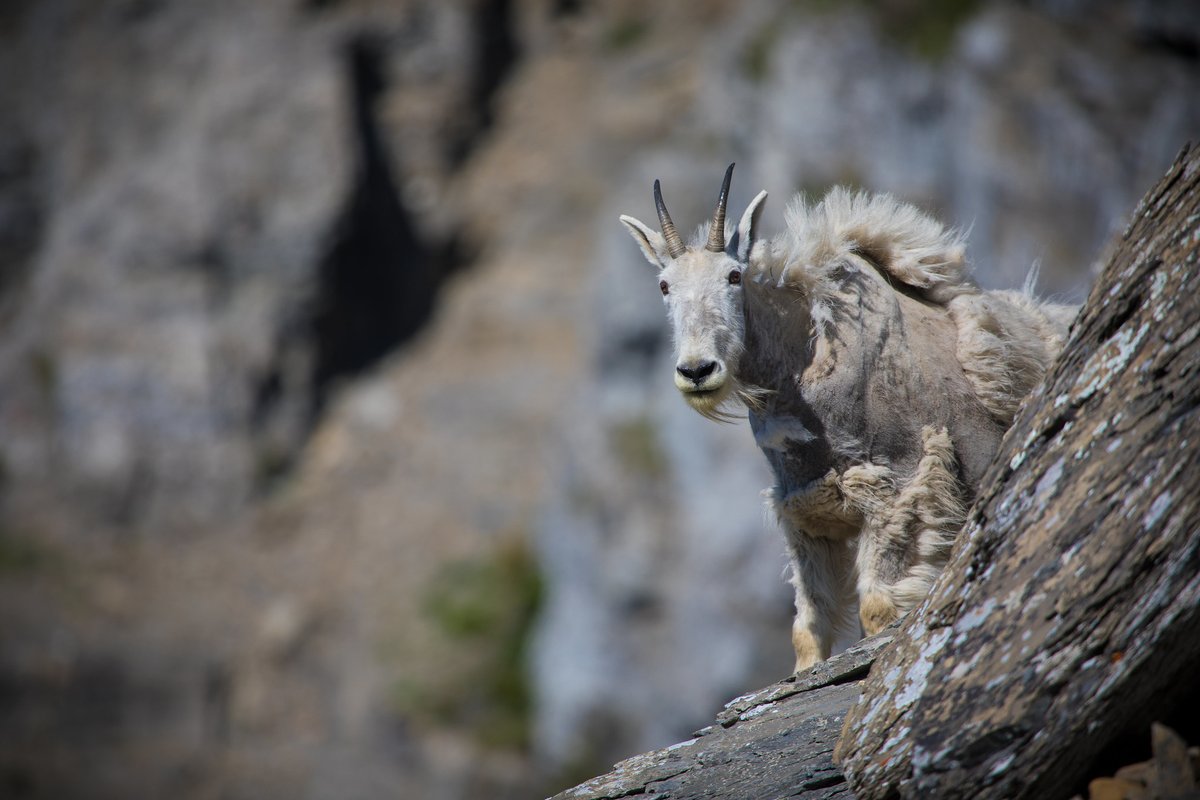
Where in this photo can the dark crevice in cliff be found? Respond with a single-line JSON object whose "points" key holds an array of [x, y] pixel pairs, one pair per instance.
{"points": [[378, 280], [496, 52], [379, 277], [1177, 43], [567, 8], [376, 283], [21, 217]]}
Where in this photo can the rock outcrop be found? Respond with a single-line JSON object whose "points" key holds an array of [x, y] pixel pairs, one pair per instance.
{"points": [[777, 742]]}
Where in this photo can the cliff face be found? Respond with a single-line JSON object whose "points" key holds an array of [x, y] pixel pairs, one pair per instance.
{"points": [[312, 310], [209, 191]]}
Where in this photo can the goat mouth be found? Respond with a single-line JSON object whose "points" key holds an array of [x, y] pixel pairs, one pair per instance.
{"points": [[705, 399], [712, 384]]}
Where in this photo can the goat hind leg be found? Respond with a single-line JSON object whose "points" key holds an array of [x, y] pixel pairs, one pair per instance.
{"points": [[879, 573], [906, 541]]}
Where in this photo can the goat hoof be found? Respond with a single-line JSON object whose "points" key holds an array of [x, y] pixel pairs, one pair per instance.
{"points": [[808, 650], [876, 611]]}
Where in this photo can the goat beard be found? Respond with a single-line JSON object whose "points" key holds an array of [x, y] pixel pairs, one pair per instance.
{"points": [[726, 403]]}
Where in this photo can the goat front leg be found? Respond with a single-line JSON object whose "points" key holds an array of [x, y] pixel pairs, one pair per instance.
{"points": [[822, 574]]}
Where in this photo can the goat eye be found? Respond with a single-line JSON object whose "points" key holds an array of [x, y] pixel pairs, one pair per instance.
{"points": [[735, 277], [664, 287]]}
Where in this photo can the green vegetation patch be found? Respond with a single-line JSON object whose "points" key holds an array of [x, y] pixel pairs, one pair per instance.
{"points": [[926, 28], [45, 373], [482, 611], [756, 56], [625, 34], [22, 555]]}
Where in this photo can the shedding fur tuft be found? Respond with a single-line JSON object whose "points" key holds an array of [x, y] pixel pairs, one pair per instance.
{"points": [[1006, 342], [906, 244]]}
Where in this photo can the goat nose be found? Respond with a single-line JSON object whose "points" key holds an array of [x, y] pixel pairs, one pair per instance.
{"points": [[696, 372]]}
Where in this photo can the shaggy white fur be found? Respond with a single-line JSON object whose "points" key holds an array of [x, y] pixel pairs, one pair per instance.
{"points": [[1006, 339], [912, 247]]}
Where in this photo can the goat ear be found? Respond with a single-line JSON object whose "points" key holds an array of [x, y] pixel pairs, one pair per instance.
{"points": [[743, 238], [652, 242]]}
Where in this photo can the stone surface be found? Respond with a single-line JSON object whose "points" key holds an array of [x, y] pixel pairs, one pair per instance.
{"points": [[776, 742]]}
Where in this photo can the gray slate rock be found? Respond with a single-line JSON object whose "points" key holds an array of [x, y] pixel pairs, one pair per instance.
{"points": [[776, 742]]}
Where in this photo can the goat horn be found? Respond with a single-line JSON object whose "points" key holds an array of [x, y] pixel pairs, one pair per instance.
{"points": [[716, 231], [674, 244]]}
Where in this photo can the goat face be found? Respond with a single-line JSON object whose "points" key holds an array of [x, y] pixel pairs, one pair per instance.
{"points": [[702, 290], [703, 295]]}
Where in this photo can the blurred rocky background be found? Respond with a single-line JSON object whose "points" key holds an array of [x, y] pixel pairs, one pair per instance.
{"points": [[339, 455]]}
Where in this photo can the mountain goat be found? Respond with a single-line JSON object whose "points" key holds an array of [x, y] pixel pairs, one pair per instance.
{"points": [[878, 381]]}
